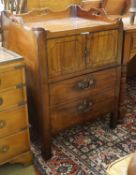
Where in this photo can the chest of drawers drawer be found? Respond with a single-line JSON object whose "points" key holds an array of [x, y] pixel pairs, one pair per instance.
{"points": [[81, 110], [88, 84], [13, 145], [12, 98], [11, 78], [13, 120]]}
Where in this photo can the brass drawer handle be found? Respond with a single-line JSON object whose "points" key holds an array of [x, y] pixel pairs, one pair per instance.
{"points": [[86, 84], [1, 101], [2, 124], [86, 106], [4, 149]]}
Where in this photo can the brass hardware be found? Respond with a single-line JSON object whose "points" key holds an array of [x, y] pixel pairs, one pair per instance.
{"points": [[4, 149], [85, 84], [85, 33], [1, 101], [85, 106], [2, 124], [18, 86]]}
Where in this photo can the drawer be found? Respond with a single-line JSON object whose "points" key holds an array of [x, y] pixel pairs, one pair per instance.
{"points": [[13, 121], [12, 98], [13, 146], [11, 78], [81, 110], [87, 84]]}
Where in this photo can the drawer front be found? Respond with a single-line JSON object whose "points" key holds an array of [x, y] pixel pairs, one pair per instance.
{"points": [[13, 145], [12, 78], [13, 121], [12, 98], [81, 110], [88, 84]]}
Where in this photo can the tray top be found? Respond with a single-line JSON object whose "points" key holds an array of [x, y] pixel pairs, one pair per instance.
{"points": [[73, 18], [8, 56], [64, 24]]}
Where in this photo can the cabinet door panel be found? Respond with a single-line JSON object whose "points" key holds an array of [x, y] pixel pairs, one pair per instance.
{"points": [[66, 55], [103, 49]]}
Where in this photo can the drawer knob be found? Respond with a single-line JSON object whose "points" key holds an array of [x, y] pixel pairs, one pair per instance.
{"points": [[85, 106], [1, 101], [4, 149], [86, 84], [2, 124]]}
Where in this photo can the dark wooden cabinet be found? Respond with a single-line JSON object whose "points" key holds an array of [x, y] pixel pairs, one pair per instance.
{"points": [[73, 66]]}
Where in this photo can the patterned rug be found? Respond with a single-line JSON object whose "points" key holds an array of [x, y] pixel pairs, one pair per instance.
{"points": [[89, 149]]}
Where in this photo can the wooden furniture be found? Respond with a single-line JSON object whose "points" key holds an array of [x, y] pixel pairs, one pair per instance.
{"points": [[129, 51], [87, 4], [27, 5], [73, 62], [52, 4], [129, 48], [115, 7], [18, 6], [14, 127]]}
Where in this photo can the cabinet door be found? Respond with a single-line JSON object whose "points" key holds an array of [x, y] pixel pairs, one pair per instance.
{"points": [[102, 49], [66, 55]]}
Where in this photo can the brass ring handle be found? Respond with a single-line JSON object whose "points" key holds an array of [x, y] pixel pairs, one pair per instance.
{"points": [[1, 101], [4, 149], [2, 124], [85, 84], [91, 82], [86, 106]]}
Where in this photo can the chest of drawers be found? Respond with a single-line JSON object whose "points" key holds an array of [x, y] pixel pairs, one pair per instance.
{"points": [[14, 127], [73, 66]]}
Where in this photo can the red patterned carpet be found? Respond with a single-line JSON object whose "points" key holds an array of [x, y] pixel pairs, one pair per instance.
{"points": [[89, 149]]}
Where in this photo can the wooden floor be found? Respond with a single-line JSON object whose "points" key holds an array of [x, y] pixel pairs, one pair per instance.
{"points": [[18, 169]]}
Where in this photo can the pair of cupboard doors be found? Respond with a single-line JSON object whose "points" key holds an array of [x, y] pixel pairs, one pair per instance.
{"points": [[84, 51]]}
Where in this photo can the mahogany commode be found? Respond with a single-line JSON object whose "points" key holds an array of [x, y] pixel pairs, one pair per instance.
{"points": [[73, 60]]}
